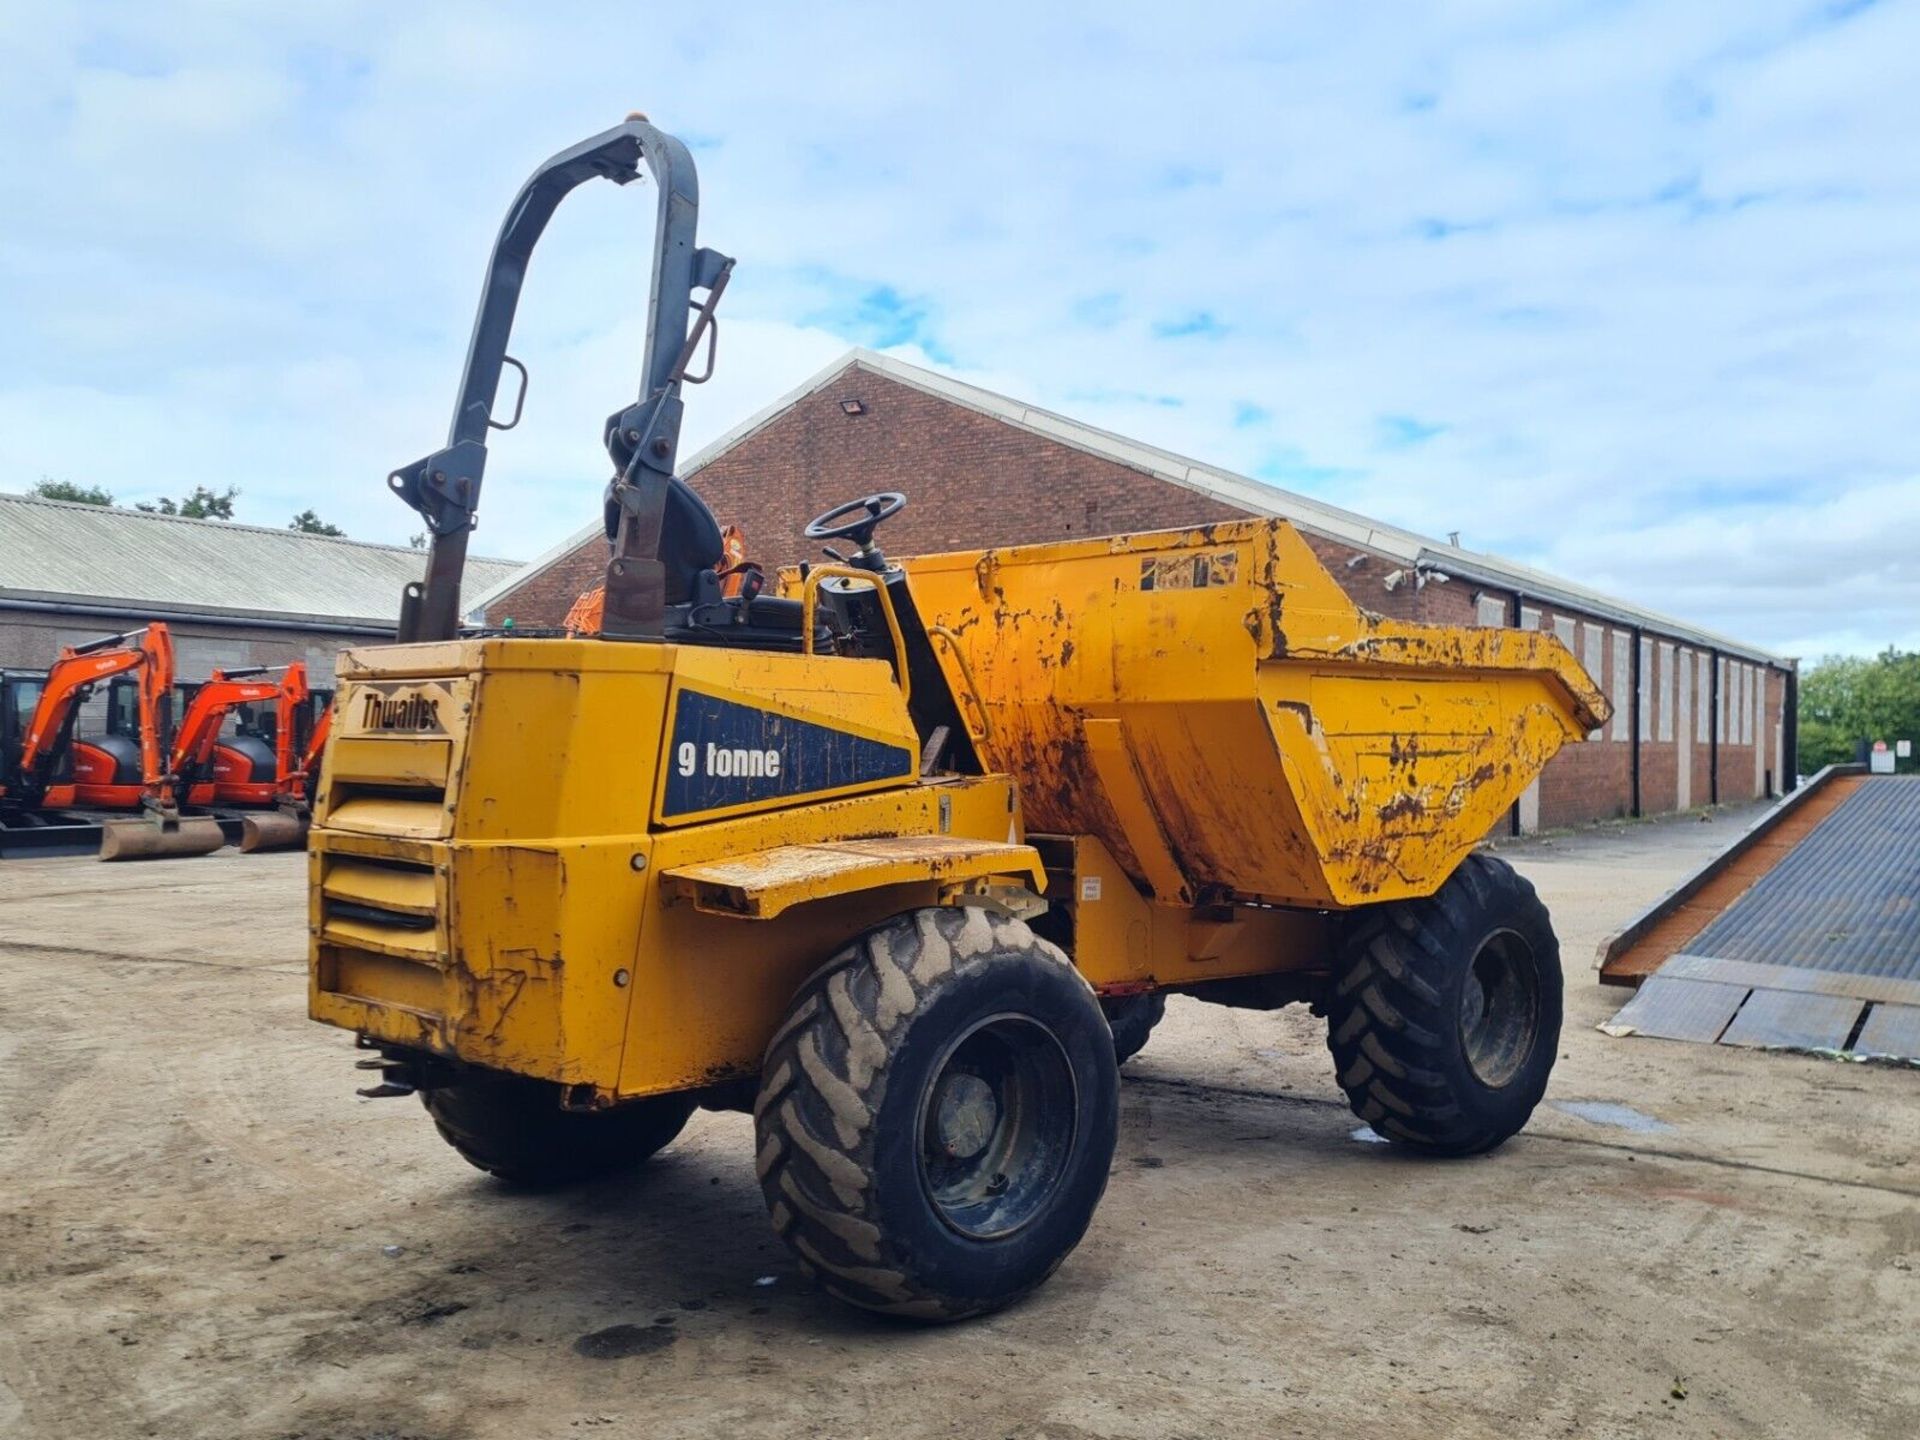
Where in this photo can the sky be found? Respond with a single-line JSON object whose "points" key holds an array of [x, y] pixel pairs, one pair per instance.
{"points": [[1630, 292]]}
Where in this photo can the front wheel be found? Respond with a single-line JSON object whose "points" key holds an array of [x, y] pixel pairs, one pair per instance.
{"points": [[937, 1114], [1445, 1018], [1132, 1018], [513, 1128]]}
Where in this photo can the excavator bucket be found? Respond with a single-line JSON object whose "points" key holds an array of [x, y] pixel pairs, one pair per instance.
{"points": [[272, 830], [153, 838]]}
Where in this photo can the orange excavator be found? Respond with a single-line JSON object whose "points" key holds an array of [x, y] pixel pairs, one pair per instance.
{"points": [[268, 767], [256, 778], [199, 746], [55, 784], [45, 767]]}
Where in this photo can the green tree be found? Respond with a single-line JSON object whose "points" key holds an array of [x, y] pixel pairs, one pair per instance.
{"points": [[52, 489], [202, 504], [1848, 698], [312, 524]]}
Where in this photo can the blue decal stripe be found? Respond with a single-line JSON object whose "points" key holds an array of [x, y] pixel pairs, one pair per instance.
{"points": [[724, 754]]}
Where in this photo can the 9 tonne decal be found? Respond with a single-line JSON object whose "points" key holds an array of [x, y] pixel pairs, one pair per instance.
{"points": [[722, 754]]}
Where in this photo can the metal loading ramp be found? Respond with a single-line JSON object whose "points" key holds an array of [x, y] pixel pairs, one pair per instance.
{"points": [[1805, 935]]}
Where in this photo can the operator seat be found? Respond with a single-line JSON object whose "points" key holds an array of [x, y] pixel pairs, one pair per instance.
{"points": [[689, 540], [691, 551]]}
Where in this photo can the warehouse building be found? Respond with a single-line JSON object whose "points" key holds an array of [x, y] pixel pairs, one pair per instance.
{"points": [[1699, 718], [232, 595]]}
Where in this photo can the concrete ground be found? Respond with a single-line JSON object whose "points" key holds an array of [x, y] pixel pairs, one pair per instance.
{"points": [[203, 1233]]}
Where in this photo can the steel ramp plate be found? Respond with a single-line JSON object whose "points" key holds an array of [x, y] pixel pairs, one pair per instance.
{"points": [[1672, 924], [1679, 1010], [1791, 977], [1794, 1019], [1824, 943], [1846, 898], [1891, 1032]]}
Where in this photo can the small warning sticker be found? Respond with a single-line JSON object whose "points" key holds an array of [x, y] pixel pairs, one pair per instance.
{"points": [[1189, 572], [1089, 887]]}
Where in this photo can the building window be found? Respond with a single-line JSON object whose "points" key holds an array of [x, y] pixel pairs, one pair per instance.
{"points": [[1720, 705], [1593, 655], [1645, 696], [1529, 618], [1684, 703], [1666, 691], [1489, 610], [1702, 720], [1622, 693]]}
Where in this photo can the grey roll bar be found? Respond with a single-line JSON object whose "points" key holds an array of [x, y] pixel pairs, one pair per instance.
{"points": [[643, 438]]}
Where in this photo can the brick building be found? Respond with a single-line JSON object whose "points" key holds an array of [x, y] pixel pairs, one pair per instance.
{"points": [[232, 595], [1698, 717]]}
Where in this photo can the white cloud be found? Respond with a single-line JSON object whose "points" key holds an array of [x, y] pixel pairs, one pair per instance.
{"points": [[1646, 268]]}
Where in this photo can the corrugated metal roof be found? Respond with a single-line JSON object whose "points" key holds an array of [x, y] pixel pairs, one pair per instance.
{"points": [[1254, 496], [163, 565]]}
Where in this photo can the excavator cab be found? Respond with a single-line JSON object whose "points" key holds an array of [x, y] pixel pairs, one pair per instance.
{"points": [[20, 692], [313, 720], [243, 761], [246, 767], [113, 756]]}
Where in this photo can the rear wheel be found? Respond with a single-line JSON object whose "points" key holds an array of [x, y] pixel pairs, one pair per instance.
{"points": [[937, 1115], [1446, 1016], [1132, 1018], [513, 1127]]}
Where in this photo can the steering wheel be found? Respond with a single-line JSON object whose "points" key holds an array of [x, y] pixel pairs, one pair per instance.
{"points": [[867, 515]]}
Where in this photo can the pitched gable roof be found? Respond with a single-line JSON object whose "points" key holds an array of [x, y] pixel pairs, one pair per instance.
{"points": [[167, 566]]}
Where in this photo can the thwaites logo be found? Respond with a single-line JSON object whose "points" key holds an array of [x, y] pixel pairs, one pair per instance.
{"points": [[413, 709], [723, 754]]}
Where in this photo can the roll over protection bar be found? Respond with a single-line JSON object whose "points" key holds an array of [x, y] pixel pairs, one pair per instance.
{"points": [[643, 438]]}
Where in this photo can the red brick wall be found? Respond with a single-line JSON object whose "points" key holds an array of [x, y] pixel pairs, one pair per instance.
{"points": [[543, 601], [972, 481]]}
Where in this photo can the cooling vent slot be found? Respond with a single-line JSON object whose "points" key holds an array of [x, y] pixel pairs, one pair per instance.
{"points": [[389, 786]]}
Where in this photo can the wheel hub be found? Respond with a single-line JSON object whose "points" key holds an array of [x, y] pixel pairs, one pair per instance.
{"points": [[1499, 1009], [965, 1116], [997, 1125]]}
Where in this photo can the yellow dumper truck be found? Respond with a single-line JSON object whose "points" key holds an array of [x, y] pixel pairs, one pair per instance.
{"points": [[904, 857]]}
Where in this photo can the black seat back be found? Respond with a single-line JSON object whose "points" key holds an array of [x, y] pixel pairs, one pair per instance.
{"points": [[689, 539]]}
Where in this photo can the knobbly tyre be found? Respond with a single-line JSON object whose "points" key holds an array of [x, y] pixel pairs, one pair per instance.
{"points": [[896, 856]]}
